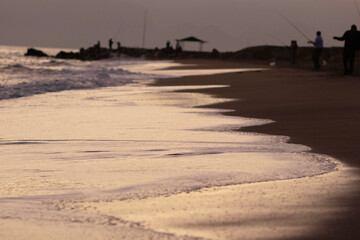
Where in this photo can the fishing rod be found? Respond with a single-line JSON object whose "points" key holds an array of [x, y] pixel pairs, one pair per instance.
{"points": [[277, 39], [117, 32], [293, 25], [357, 7]]}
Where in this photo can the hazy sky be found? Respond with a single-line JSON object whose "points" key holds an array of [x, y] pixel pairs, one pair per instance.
{"points": [[226, 24]]}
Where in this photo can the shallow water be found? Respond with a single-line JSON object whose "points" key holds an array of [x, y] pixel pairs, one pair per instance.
{"points": [[25, 76], [114, 139]]}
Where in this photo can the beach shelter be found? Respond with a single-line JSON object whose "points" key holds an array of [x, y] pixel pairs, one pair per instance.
{"points": [[191, 39]]}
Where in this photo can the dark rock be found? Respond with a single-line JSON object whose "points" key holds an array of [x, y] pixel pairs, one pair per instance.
{"points": [[36, 53], [67, 55], [91, 53]]}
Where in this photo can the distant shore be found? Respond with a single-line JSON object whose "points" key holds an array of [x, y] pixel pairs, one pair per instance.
{"points": [[317, 109], [331, 58]]}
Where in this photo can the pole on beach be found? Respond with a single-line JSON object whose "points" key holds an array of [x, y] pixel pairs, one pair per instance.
{"points": [[294, 26], [144, 32]]}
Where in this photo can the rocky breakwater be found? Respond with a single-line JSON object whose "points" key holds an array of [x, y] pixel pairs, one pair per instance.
{"points": [[91, 53], [274, 55]]}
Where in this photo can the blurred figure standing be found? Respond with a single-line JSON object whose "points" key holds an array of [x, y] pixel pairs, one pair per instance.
{"points": [[351, 38], [293, 51], [110, 44], [318, 45]]}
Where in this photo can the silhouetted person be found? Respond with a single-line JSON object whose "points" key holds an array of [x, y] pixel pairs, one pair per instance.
{"points": [[318, 45], [168, 45], [110, 44], [97, 45], [118, 48], [293, 51], [351, 38], [178, 47]]}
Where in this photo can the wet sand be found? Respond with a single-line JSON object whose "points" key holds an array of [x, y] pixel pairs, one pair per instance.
{"points": [[290, 209], [317, 109]]}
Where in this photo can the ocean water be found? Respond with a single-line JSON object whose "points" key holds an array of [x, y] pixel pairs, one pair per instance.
{"points": [[73, 131], [24, 76]]}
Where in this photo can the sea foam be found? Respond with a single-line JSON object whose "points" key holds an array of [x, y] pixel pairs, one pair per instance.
{"points": [[24, 76]]}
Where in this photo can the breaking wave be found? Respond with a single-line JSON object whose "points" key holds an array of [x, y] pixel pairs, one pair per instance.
{"points": [[24, 76]]}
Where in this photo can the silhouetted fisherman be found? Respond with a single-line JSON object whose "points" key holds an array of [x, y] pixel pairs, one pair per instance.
{"points": [[97, 45], [178, 47], [293, 51], [351, 38], [118, 48], [110, 44], [318, 45], [168, 45]]}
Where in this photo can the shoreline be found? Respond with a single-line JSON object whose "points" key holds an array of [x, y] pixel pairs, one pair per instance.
{"points": [[291, 98], [316, 109]]}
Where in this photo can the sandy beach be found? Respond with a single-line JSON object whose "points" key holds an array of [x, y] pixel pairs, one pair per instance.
{"points": [[317, 109], [176, 158], [180, 120]]}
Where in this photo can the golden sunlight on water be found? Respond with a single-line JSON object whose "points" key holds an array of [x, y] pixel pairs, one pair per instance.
{"points": [[118, 137]]}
